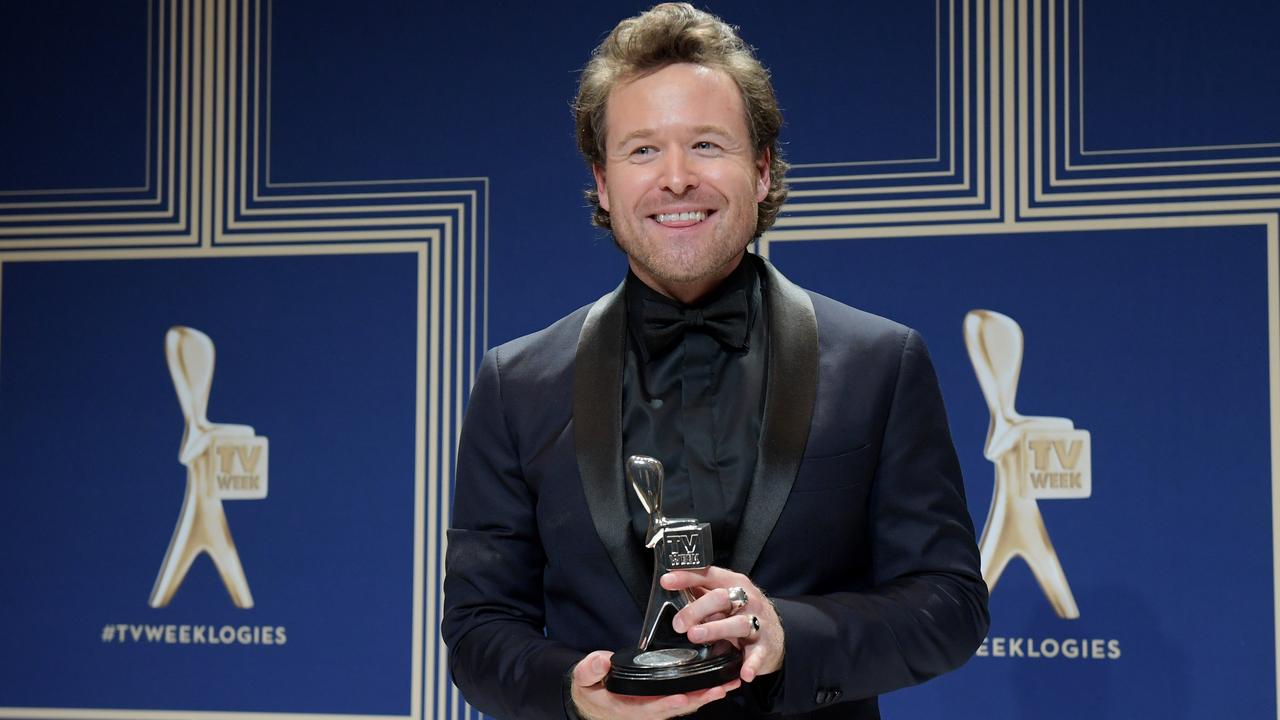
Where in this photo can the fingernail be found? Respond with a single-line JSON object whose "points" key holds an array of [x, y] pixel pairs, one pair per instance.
{"points": [[697, 634], [677, 624]]}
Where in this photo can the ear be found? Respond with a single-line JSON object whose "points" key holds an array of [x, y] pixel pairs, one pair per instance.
{"points": [[762, 171], [601, 188]]}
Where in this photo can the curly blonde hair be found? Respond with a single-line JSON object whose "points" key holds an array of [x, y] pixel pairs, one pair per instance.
{"points": [[664, 35]]}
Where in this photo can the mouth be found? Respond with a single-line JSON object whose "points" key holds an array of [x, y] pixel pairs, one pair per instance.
{"points": [[681, 219]]}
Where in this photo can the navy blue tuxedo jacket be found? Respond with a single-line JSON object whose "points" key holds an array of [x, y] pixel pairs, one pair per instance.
{"points": [[855, 522]]}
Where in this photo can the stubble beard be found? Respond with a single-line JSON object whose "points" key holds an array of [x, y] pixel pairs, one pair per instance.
{"points": [[685, 263]]}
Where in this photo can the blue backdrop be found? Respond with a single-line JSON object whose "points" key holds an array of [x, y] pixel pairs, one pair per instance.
{"points": [[354, 201]]}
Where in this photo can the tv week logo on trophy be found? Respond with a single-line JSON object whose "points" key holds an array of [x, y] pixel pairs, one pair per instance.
{"points": [[683, 547], [224, 462], [1035, 458]]}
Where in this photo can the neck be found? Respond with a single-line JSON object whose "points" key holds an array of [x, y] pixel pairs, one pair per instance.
{"points": [[691, 291]]}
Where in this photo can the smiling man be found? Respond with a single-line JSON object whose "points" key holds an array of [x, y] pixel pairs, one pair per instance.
{"points": [[810, 435], [680, 178]]}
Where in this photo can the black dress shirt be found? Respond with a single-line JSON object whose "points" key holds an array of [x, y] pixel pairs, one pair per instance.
{"points": [[696, 405]]}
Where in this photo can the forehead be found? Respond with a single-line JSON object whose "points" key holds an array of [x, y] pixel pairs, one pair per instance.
{"points": [[679, 96]]}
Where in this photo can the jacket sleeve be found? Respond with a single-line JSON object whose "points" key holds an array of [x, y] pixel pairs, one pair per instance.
{"points": [[925, 612], [493, 618]]}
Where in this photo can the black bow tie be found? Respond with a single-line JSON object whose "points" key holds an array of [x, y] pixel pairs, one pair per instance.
{"points": [[724, 319]]}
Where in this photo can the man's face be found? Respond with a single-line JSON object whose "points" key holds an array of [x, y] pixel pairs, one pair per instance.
{"points": [[680, 180]]}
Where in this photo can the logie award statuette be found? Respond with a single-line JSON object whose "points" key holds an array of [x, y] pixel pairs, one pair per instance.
{"points": [[666, 662], [1035, 457]]}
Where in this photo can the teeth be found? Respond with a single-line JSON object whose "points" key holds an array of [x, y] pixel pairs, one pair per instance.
{"points": [[698, 216]]}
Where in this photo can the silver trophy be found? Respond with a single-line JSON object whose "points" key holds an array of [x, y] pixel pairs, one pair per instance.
{"points": [[666, 662]]}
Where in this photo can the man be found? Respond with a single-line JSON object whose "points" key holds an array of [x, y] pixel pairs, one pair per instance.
{"points": [[811, 436]]}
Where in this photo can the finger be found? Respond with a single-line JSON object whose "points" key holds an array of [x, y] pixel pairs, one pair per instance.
{"points": [[684, 579], [712, 602], [710, 618], [711, 605], [592, 668], [710, 577], [751, 663], [672, 705], [734, 627]]}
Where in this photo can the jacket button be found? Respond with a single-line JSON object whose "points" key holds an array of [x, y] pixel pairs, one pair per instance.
{"points": [[826, 696]]}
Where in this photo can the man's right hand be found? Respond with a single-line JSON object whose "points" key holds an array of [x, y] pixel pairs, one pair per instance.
{"points": [[593, 702]]}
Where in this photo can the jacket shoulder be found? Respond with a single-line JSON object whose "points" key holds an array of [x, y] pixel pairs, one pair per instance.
{"points": [[838, 324], [538, 355], [843, 324]]}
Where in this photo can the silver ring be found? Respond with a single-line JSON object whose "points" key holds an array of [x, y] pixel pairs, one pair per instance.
{"points": [[737, 598], [755, 625]]}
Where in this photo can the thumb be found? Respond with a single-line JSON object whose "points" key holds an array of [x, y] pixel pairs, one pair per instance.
{"points": [[592, 668]]}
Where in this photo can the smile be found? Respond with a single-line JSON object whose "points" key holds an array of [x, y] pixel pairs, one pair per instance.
{"points": [[681, 219]]}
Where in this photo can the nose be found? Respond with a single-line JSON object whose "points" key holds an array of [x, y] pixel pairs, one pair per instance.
{"points": [[678, 172]]}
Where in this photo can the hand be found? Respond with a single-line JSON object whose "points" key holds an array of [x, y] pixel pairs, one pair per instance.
{"points": [[711, 617], [596, 703]]}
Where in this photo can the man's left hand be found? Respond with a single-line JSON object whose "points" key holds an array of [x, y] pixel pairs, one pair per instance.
{"points": [[754, 627]]}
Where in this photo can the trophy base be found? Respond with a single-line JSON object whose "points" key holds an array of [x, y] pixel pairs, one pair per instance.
{"points": [[671, 670]]}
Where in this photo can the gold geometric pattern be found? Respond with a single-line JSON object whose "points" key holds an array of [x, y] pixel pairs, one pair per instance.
{"points": [[209, 198], [208, 195], [1015, 149], [1055, 131], [155, 213], [1025, 135], [955, 186]]}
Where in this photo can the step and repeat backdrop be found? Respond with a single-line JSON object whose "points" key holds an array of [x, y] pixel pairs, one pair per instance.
{"points": [[252, 251]]}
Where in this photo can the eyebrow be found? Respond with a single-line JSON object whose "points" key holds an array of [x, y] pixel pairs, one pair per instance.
{"points": [[644, 133], [711, 130], [634, 135]]}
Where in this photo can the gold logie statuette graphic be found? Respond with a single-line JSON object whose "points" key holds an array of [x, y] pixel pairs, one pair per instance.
{"points": [[1035, 458], [224, 462]]}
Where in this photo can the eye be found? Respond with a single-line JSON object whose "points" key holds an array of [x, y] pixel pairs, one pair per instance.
{"points": [[644, 151], [706, 146]]}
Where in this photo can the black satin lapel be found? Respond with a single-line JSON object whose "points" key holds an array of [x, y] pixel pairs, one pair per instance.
{"points": [[788, 410], [597, 429]]}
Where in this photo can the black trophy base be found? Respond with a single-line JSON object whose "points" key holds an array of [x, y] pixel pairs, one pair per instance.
{"points": [[671, 670]]}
